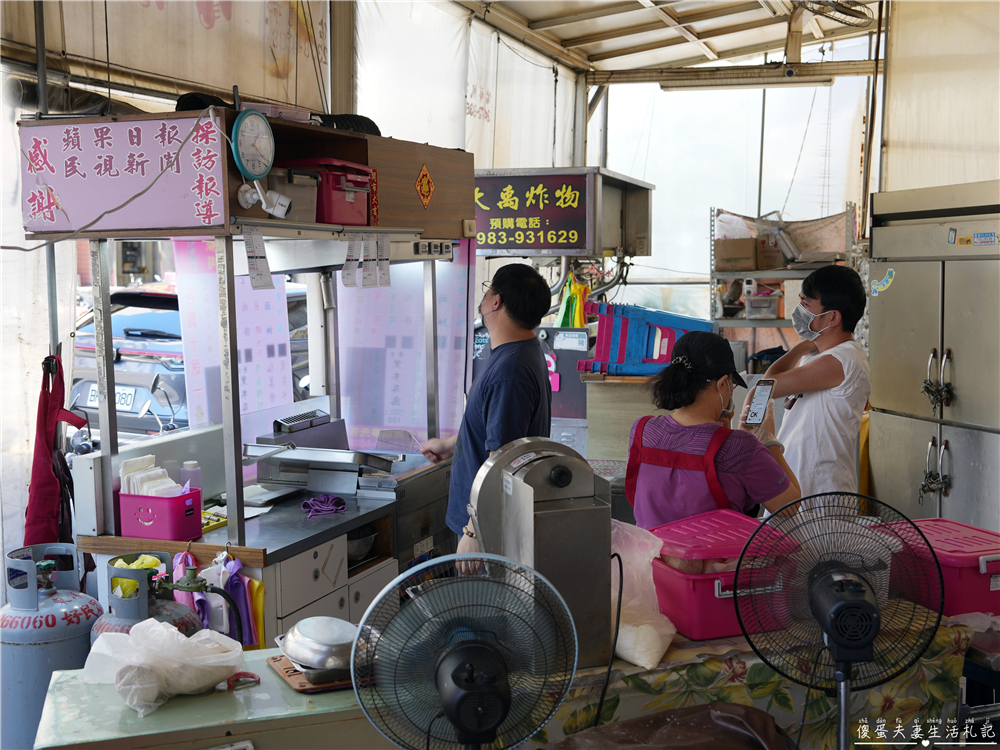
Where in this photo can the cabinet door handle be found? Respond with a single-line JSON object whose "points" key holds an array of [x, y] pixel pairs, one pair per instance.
{"points": [[945, 479], [315, 574], [927, 462], [930, 361], [343, 602], [357, 597], [946, 388]]}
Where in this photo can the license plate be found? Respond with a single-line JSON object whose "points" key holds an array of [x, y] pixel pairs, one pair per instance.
{"points": [[124, 397]]}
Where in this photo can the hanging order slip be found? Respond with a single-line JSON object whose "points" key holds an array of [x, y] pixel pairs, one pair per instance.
{"points": [[350, 272], [369, 271], [260, 273], [383, 260]]}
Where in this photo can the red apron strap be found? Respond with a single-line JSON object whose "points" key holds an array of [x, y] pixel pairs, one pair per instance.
{"points": [[634, 461], [709, 468]]}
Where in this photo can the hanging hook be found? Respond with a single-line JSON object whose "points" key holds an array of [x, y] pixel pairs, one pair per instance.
{"points": [[227, 550], [188, 548]]}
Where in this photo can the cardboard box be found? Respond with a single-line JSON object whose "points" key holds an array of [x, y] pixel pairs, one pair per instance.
{"points": [[769, 255], [735, 255]]}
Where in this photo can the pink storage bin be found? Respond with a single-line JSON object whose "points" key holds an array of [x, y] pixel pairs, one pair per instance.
{"points": [[152, 517], [344, 190], [970, 564], [702, 606]]}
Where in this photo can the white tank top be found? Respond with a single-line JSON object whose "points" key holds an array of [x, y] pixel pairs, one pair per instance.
{"points": [[820, 433]]}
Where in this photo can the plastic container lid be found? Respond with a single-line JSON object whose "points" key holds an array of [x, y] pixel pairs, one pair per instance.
{"points": [[958, 545], [190, 464], [718, 533]]}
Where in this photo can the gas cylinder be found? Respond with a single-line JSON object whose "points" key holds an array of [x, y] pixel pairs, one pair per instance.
{"points": [[42, 629], [124, 613]]}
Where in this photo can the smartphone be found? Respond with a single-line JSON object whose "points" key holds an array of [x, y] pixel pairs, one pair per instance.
{"points": [[758, 406]]}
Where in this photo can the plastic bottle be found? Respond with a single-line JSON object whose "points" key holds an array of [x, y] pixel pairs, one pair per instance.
{"points": [[191, 472]]}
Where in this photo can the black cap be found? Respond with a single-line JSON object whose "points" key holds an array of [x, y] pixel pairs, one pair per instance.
{"points": [[707, 355]]}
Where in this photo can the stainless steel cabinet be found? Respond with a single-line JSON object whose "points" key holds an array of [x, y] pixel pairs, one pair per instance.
{"points": [[934, 316], [900, 450]]}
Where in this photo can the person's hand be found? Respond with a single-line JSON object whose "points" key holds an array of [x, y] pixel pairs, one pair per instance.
{"points": [[764, 431], [436, 450], [467, 545], [746, 403]]}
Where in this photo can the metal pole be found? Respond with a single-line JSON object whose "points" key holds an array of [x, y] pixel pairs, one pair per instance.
{"points": [[41, 68], [844, 713], [430, 347], [604, 129], [232, 432], [328, 284], [760, 162], [580, 122], [104, 359]]}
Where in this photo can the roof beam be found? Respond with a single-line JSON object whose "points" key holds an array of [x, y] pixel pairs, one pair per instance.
{"points": [[845, 32], [670, 19], [605, 36], [728, 74], [605, 12], [503, 19], [674, 42]]}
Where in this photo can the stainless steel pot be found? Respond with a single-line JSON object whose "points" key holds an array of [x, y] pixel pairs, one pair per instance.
{"points": [[320, 643]]}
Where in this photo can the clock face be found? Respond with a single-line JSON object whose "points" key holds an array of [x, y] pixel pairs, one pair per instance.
{"points": [[254, 145]]}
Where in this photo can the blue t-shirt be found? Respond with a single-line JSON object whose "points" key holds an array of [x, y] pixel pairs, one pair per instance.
{"points": [[511, 399]]}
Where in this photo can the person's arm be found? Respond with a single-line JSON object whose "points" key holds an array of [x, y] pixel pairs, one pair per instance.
{"points": [[793, 491], [437, 450], [764, 432], [820, 374]]}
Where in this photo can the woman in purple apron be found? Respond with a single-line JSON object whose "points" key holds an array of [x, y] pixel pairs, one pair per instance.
{"points": [[688, 462]]}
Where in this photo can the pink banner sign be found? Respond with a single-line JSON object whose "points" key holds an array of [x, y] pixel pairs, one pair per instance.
{"points": [[73, 172]]}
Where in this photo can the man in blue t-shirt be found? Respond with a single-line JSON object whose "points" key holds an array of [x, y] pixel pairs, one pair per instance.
{"points": [[512, 397]]}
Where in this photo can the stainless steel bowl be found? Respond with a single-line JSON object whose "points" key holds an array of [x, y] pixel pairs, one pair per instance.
{"points": [[320, 643], [357, 549]]}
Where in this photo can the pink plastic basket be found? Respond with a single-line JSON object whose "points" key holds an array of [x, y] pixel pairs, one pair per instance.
{"points": [[970, 564], [702, 606], [152, 517]]}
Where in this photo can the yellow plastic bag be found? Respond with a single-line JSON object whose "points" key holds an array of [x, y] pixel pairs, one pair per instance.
{"points": [[126, 588]]}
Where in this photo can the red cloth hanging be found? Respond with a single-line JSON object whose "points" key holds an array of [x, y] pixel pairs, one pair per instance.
{"points": [[46, 493]]}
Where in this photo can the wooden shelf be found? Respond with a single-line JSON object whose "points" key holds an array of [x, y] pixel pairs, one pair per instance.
{"points": [[752, 323], [251, 557], [599, 377]]}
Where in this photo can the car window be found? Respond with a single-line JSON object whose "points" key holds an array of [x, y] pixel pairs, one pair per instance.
{"points": [[168, 321], [298, 316]]}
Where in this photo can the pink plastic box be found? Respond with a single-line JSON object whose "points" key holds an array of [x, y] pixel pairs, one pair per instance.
{"points": [[152, 517], [702, 606], [970, 564]]}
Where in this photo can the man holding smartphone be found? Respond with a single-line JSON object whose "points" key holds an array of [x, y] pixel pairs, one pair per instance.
{"points": [[826, 379]]}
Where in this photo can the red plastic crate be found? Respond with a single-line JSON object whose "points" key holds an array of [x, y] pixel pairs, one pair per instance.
{"points": [[970, 564], [343, 193], [702, 606], [153, 517]]}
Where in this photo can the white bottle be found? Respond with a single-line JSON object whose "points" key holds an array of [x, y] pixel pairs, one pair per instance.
{"points": [[191, 472]]}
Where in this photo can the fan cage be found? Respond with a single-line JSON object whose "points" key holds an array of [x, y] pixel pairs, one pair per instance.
{"points": [[846, 12], [421, 615], [863, 535]]}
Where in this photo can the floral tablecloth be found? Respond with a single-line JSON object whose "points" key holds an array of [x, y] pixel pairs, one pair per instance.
{"points": [[920, 703]]}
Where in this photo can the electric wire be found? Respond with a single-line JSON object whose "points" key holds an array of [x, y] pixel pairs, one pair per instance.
{"points": [[430, 726], [614, 641]]}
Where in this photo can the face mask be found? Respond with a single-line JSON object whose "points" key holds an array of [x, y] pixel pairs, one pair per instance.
{"points": [[486, 297], [802, 320]]}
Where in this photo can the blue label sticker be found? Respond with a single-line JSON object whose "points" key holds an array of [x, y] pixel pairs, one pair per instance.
{"points": [[881, 286], [984, 238]]}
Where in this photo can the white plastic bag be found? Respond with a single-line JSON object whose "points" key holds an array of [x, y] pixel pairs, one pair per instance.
{"points": [[217, 575], [155, 661], [729, 227], [645, 633]]}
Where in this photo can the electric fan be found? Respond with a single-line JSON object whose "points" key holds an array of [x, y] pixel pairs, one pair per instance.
{"points": [[847, 12], [836, 591], [493, 652]]}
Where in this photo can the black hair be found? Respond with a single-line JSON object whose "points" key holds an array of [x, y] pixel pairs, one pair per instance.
{"points": [[524, 293], [838, 288], [676, 387]]}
